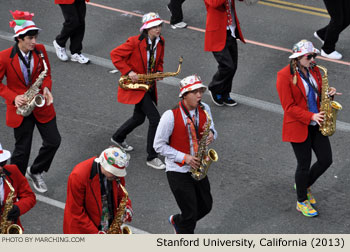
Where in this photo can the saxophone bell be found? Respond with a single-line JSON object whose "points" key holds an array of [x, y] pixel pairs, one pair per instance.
{"points": [[14, 229], [39, 100]]}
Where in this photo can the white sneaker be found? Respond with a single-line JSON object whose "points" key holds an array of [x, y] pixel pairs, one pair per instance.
{"points": [[38, 181], [60, 51], [79, 58], [318, 37], [179, 25], [332, 55], [156, 163], [123, 145]]}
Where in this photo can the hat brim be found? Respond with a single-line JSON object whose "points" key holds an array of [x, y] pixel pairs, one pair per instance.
{"points": [[194, 87], [25, 31], [150, 25], [5, 155], [296, 55]]}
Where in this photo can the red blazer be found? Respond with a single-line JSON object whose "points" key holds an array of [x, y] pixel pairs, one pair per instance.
{"points": [[10, 67], [83, 210], [24, 197], [293, 99], [215, 31], [132, 56], [67, 1]]}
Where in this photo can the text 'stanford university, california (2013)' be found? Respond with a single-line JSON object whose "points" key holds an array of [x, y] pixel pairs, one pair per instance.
{"points": [[248, 243]]}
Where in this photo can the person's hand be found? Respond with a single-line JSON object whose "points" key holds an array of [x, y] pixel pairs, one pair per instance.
{"points": [[20, 100], [14, 213], [128, 214], [192, 161], [133, 76], [332, 91], [48, 96], [210, 138], [319, 117]]}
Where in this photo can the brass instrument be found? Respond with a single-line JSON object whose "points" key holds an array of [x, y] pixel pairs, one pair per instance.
{"points": [[6, 226], [205, 157], [116, 225], [145, 81], [34, 99], [329, 106]]}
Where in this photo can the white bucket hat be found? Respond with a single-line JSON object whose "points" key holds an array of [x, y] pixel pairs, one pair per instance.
{"points": [[150, 20], [22, 22], [4, 154], [303, 47], [190, 83], [114, 160]]}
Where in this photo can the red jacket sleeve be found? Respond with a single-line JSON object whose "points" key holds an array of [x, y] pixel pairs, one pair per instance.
{"points": [[25, 197], [291, 108], [120, 54], [5, 92], [76, 220]]}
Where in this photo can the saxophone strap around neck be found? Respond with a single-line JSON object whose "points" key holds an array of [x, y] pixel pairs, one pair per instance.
{"points": [[187, 113]]}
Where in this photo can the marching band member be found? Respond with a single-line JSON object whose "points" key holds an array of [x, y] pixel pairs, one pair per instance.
{"points": [[299, 86], [93, 194], [22, 65], [140, 55], [24, 197], [177, 137]]}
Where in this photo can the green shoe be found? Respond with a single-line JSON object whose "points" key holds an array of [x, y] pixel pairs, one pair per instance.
{"points": [[306, 209], [310, 197]]}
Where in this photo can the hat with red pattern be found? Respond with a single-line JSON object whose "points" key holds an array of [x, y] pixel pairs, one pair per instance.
{"points": [[114, 160], [150, 20], [190, 83], [4, 154], [303, 47], [22, 22]]}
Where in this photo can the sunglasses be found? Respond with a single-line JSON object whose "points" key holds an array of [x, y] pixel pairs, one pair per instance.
{"points": [[310, 56]]}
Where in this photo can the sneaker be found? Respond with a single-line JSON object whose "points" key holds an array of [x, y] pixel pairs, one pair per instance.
{"points": [[122, 145], [318, 37], [60, 51], [172, 222], [79, 58], [217, 99], [229, 102], [306, 209], [38, 181], [332, 55], [310, 197], [156, 163], [179, 25]]}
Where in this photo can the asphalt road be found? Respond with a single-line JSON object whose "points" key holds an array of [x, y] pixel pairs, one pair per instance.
{"points": [[252, 183]]}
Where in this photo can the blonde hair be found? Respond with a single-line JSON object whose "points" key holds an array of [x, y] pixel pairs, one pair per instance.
{"points": [[293, 65]]}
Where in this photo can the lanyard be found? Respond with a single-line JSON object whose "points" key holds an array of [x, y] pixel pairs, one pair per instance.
{"points": [[189, 116]]}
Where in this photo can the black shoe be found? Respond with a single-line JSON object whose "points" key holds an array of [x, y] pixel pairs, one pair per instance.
{"points": [[228, 101], [217, 99]]}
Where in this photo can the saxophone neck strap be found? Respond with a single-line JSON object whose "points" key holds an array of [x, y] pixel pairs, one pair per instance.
{"points": [[187, 113]]}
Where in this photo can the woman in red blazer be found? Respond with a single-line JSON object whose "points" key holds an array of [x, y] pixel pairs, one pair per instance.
{"points": [[299, 86], [140, 55], [24, 197]]}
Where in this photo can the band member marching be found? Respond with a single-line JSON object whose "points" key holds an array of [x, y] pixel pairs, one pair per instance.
{"points": [[16, 196], [141, 54], [28, 75], [177, 137], [97, 201], [299, 87]]}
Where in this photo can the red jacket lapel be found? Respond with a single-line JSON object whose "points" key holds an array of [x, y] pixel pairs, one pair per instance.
{"points": [[17, 67]]}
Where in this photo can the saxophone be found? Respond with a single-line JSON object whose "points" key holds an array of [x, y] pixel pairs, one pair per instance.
{"points": [[205, 157], [329, 106], [34, 99], [116, 225], [145, 81], [7, 227]]}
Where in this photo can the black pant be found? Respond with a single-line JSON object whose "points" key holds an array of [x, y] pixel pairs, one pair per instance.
{"points": [[24, 135], [193, 198], [73, 26], [146, 107], [227, 60], [339, 10], [304, 175], [175, 7]]}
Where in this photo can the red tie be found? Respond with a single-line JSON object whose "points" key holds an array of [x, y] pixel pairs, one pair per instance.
{"points": [[193, 134], [228, 11]]}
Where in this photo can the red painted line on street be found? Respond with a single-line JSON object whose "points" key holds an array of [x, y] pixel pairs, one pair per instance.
{"points": [[203, 30]]}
